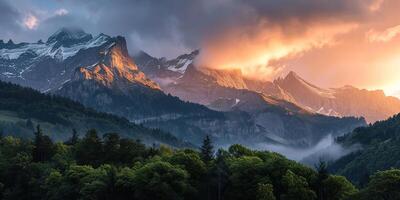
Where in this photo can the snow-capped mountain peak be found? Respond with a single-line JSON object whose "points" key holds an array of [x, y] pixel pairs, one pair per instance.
{"points": [[344, 101], [10, 42], [181, 63], [162, 67], [48, 66], [69, 36], [60, 45]]}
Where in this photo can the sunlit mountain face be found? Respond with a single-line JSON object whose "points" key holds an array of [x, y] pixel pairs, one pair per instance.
{"points": [[215, 88]]}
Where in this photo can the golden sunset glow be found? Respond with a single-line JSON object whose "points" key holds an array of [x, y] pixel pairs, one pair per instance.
{"points": [[363, 52], [253, 53]]}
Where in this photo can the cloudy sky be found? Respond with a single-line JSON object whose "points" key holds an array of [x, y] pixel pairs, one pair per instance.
{"points": [[329, 42]]}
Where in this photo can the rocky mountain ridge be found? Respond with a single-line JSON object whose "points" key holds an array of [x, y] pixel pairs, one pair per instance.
{"points": [[102, 76], [339, 102]]}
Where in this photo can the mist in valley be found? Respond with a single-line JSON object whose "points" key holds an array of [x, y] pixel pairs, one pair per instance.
{"points": [[326, 150]]}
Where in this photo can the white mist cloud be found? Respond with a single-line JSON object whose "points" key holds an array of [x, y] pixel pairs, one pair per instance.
{"points": [[61, 12], [326, 149]]}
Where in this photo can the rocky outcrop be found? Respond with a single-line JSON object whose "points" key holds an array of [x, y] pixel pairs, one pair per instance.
{"points": [[344, 101]]}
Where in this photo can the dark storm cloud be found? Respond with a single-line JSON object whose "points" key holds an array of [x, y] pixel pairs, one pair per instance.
{"points": [[173, 25], [14, 15], [190, 22], [279, 10], [8, 20], [53, 23]]}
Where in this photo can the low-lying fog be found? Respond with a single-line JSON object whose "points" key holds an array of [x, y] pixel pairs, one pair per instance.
{"points": [[326, 150]]}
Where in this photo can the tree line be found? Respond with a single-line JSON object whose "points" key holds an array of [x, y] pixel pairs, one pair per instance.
{"points": [[110, 167]]}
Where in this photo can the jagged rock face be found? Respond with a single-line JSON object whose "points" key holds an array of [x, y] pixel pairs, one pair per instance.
{"points": [[270, 89], [68, 37], [345, 101], [198, 85], [114, 84], [267, 118], [373, 105], [204, 85], [70, 54], [98, 72], [226, 78], [46, 66], [226, 88], [115, 68], [163, 70]]}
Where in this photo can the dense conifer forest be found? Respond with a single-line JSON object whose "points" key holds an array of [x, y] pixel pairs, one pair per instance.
{"points": [[21, 109], [111, 167]]}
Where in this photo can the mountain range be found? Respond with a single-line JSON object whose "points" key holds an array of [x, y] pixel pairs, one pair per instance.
{"points": [[172, 95], [340, 102]]}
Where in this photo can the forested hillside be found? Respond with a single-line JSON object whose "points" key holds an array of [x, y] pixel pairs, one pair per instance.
{"points": [[21, 109], [111, 167], [379, 149]]}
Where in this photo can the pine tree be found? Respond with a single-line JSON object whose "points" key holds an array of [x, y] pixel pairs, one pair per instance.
{"points": [[322, 169], [74, 138], [38, 132], [43, 146], [29, 124], [207, 150], [90, 149], [265, 192], [323, 174]]}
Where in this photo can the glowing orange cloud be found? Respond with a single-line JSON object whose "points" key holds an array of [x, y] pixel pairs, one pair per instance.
{"points": [[252, 49], [376, 5], [384, 36]]}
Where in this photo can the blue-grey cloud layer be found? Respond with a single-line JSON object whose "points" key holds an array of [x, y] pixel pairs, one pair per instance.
{"points": [[174, 25]]}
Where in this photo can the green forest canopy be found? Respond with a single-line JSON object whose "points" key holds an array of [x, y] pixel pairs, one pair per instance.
{"points": [[111, 167]]}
